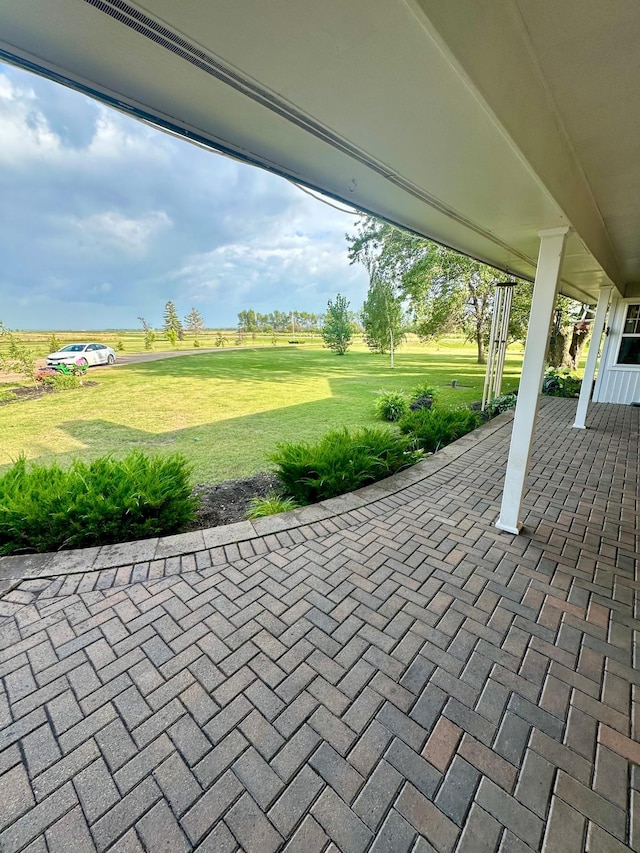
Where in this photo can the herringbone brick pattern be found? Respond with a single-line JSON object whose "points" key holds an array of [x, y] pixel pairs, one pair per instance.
{"points": [[401, 678]]}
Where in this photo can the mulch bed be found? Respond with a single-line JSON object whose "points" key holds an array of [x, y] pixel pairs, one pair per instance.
{"points": [[34, 392], [228, 502]]}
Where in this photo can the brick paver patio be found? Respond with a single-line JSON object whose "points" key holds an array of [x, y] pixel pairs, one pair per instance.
{"points": [[399, 676]]}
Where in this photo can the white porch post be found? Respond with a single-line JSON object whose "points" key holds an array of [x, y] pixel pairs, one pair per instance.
{"points": [[552, 244], [592, 357]]}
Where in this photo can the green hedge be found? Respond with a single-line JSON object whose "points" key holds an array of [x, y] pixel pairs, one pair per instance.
{"points": [[433, 429], [46, 508], [340, 462]]}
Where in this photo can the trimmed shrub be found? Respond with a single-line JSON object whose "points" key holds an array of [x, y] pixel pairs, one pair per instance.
{"points": [[340, 462], [433, 429], [46, 508], [270, 504], [391, 406]]}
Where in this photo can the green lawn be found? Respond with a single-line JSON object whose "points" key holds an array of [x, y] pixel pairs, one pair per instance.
{"points": [[225, 411]]}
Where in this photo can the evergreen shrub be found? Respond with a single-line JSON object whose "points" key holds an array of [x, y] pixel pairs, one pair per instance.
{"points": [[340, 462], [46, 508], [433, 429]]}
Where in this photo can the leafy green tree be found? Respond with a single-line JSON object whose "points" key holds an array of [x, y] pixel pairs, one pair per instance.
{"points": [[336, 332], [172, 321], [194, 323], [16, 357], [382, 317], [172, 336], [247, 320], [445, 291], [54, 343]]}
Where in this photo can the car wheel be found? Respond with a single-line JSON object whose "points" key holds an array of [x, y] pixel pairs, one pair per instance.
{"points": [[111, 359], [83, 362]]}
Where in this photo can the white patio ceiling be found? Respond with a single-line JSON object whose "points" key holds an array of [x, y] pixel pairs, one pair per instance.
{"points": [[474, 122]]}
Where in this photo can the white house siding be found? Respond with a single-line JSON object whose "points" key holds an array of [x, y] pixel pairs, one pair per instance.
{"points": [[616, 383]]}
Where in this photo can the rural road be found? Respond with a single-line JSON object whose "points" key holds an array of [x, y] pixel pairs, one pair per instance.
{"points": [[140, 357]]}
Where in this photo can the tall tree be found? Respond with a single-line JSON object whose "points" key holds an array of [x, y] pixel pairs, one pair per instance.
{"points": [[172, 321], [382, 317], [336, 332], [445, 291], [247, 320], [194, 322]]}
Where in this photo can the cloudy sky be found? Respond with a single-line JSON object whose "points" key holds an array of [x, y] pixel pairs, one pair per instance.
{"points": [[104, 219]]}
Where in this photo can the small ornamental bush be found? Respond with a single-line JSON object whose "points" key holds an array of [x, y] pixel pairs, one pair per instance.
{"points": [[7, 396], [391, 406], [497, 405], [421, 397], [270, 504], [560, 382], [66, 381], [341, 462], [46, 508], [46, 376], [61, 379], [423, 390], [433, 429]]}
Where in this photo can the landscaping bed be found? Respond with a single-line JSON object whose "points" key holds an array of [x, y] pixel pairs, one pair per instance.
{"points": [[34, 392], [228, 502]]}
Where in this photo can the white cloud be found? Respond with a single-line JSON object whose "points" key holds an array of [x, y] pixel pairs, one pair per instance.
{"points": [[105, 218], [114, 229], [24, 131]]}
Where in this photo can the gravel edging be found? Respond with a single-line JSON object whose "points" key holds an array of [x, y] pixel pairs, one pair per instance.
{"points": [[16, 568]]}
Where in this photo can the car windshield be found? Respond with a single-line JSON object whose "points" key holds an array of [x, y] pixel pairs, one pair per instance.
{"points": [[73, 348]]}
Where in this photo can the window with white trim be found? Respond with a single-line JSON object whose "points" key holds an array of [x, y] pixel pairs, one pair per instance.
{"points": [[629, 352]]}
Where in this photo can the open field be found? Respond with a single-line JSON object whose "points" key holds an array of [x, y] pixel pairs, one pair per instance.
{"points": [[225, 411], [133, 340]]}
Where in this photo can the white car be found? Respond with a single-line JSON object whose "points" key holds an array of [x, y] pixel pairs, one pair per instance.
{"points": [[85, 354]]}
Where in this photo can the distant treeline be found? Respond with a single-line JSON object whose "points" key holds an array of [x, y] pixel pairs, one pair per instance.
{"points": [[279, 321]]}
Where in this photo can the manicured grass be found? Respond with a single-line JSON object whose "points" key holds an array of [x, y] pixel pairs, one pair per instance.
{"points": [[226, 411]]}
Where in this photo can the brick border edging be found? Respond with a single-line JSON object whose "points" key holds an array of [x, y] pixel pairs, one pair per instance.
{"points": [[81, 560]]}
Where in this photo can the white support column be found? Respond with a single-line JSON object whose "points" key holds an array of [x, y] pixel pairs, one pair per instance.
{"points": [[592, 357], [550, 257]]}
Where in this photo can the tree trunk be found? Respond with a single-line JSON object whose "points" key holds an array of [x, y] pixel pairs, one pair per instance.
{"points": [[480, 344], [558, 351]]}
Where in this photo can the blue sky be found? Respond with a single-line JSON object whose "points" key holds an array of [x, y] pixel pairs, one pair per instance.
{"points": [[104, 219]]}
